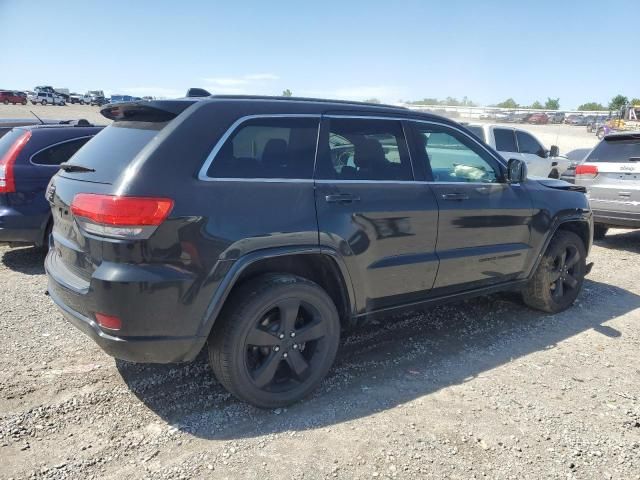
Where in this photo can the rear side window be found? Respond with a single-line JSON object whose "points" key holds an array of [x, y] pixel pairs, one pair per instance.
{"points": [[477, 131], [619, 150], [363, 149], [57, 154], [505, 140], [113, 149], [268, 148]]}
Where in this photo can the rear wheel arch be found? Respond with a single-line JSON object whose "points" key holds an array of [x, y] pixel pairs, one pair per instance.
{"points": [[324, 269]]}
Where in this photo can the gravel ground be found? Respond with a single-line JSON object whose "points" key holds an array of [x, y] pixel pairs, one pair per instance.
{"points": [[483, 389]]}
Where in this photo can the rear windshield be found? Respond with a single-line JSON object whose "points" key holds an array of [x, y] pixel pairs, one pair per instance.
{"points": [[8, 138], [112, 150], [477, 131], [623, 150]]}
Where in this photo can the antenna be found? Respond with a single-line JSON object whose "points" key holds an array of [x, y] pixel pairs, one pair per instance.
{"points": [[36, 117]]}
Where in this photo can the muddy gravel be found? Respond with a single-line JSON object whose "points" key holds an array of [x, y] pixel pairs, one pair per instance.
{"points": [[481, 389]]}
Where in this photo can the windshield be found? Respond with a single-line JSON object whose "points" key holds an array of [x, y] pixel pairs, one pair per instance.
{"points": [[620, 150]]}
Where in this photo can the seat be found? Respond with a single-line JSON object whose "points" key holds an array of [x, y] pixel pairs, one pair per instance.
{"points": [[274, 157], [370, 160]]}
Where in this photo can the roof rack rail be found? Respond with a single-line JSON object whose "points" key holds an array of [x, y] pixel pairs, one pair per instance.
{"points": [[81, 122]]}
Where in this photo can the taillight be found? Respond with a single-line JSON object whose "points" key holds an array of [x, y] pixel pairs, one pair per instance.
{"points": [[8, 160], [120, 217], [586, 171]]}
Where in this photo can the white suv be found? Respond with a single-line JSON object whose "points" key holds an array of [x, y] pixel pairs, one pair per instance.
{"points": [[46, 98]]}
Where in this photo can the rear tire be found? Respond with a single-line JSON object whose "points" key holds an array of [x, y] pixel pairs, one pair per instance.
{"points": [[275, 340], [554, 174], [559, 276], [599, 231]]}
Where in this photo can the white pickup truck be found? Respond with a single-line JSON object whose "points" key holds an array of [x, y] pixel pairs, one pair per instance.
{"points": [[517, 143]]}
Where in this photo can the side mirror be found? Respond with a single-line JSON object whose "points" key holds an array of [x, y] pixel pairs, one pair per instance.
{"points": [[516, 171], [555, 151]]}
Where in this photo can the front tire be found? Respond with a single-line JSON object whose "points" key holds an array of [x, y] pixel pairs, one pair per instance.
{"points": [[275, 340], [43, 103], [559, 276]]}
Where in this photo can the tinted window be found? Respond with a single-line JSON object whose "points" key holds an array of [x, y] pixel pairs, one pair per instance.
{"points": [[268, 148], [453, 157], [361, 149], [505, 140], [528, 144], [113, 149], [477, 131], [57, 154], [620, 150]]}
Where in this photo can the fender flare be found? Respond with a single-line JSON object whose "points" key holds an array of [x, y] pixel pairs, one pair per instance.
{"points": [[583, 216], [238, 266]]}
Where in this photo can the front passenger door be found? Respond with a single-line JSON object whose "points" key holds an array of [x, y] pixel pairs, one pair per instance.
{"points": [[484, 222], [533, 154]]}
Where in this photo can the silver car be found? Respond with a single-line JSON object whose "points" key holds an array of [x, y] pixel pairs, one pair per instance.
{"points": [[611, 173]]}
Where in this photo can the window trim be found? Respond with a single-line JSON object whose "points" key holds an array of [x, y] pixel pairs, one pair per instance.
{"points": [[202, 174], [55, 145]]}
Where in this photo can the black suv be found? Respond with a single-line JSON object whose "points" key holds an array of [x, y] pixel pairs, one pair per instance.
{"points": [[263, 226]]}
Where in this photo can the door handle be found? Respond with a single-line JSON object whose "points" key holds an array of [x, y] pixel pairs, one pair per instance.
{"points": [[455, 196], [341, 198]]}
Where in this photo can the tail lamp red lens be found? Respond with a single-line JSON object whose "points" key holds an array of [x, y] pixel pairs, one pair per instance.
{"points": [[586, 171], [7, 162], [108, 321], [120, 217]]}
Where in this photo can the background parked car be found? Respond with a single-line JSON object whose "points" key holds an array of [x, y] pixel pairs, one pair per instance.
{"points": [[75, 98], [516, 143], [29, 157], [538, 118], [12, 96], [46, 98], [556, 117], [611, 174]]}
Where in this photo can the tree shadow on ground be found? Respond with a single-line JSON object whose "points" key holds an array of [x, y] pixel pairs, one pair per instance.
{"points": [[28, 260], [382, 365]]}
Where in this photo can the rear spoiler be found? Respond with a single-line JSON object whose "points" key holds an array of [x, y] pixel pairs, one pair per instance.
{"points": [[144, 111]]}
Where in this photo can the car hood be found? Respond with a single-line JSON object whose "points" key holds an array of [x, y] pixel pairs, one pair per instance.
{"points": [[560, 185]]}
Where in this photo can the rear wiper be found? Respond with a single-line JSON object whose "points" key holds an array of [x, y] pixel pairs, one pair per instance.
{"points": [[69, 167]]}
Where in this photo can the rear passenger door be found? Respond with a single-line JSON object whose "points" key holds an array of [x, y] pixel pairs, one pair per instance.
{"points": [[505, 140], [373, 210], [484, 222]]}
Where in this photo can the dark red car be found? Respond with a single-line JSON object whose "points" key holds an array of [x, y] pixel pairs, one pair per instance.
{"points": [[539, 118], [8, 96]]}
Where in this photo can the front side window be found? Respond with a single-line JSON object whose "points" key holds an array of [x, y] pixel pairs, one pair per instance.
{"points": [[366, 149], [454, 157], [528, 144], [268, 148], [60, 153], [505, 140]]}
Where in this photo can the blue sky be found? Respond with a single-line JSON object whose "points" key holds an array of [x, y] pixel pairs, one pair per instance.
{"points": [[487, 50]]}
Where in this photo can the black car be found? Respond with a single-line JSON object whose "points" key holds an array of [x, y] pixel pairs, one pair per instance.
{"points": [[29, 157], [260, 227]]}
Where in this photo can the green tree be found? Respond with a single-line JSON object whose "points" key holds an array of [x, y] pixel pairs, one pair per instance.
{"points": [[591, 106], [508, 103], [552, 103], [287, 93], [425, 101], [618, 102], [372, 100], [537, 105], [635, 101]]}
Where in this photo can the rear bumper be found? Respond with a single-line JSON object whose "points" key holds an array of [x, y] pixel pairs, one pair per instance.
{"points": [[137, 349], [617, 219], [18, 228]]}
